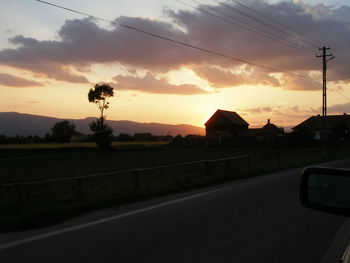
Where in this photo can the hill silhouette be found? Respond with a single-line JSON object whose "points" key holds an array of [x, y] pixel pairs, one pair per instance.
{"points": [[14, 123]]}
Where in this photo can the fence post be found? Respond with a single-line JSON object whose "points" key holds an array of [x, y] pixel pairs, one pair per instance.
{"points": [[206, 171], [249, 162], [136, 179], [19, 193], [80, 188], [263, 160]]}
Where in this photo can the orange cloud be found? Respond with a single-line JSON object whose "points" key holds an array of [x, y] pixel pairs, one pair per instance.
{"points": [[17, 82], [150, 84]]}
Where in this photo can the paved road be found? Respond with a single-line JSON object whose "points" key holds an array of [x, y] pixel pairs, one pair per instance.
{"points": [[255, 220]]}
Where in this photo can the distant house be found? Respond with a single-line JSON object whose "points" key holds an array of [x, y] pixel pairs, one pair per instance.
{"points": [[332, 124], [227, 127], [270, 129], [225, 124]]}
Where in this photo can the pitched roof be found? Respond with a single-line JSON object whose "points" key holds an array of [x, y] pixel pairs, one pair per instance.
{"points": [[231, 116], [270, 128], [316, 122]]}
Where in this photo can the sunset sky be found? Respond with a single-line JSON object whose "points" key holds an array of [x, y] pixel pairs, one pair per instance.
{"points": [[50, 58]]}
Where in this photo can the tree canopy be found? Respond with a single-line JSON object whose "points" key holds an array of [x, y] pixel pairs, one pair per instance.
{"points": [[63, 131], [99, 95]]}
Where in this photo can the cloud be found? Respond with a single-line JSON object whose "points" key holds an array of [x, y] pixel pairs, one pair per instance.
{"points": [[288, 111], [291, 82], [220, 77], [339, 108], [16, 82], [150, 84], [258, 110], [83, 43]]}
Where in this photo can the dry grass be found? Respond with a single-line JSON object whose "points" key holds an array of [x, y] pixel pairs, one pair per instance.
{"points": [[75, 145]]}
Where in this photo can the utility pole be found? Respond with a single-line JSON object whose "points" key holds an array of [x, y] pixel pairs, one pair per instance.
{"points": [[324, 85]]}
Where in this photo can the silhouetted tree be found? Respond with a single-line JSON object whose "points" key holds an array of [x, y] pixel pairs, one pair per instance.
{"points": [[63, 131], [102, 132]]}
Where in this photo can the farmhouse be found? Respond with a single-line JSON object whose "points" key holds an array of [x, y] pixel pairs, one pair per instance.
{"points": [[225, 124], [333, 124], [229, 125]]}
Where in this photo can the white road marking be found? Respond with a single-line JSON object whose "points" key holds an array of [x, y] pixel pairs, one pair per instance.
{"points": [[101, 221]]}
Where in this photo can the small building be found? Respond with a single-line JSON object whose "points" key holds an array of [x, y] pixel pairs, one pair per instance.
{"points": [[337, 125], [225, 124], [270, 129], [270, 133]]}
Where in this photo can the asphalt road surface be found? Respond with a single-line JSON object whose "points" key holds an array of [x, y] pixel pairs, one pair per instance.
{"points": [[254, 220]]}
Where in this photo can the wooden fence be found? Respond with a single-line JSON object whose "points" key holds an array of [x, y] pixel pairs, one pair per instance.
{"points": [[126, 183]]}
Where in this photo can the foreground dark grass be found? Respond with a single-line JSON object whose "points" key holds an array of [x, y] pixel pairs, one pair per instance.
{"points": [[19, 165], [49, 203]]}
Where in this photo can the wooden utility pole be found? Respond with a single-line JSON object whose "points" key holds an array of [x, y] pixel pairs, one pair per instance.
{"points": [[324, 86]]}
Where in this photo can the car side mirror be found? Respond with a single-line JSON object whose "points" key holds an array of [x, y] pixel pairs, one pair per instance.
{"points": [[326, 189]]}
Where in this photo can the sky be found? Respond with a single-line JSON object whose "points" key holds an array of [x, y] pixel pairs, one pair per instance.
{"points": [[50, 58]]}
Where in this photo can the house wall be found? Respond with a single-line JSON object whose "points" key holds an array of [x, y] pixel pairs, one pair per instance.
{"points": [[221, 127]]}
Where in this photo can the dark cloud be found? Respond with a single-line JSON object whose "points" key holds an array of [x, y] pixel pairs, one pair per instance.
{"points": [[150, 84], [24, 41], [16, 82], [83, 43]]}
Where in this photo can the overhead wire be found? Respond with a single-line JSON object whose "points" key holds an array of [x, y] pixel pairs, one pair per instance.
{"points": [[184, 44], [256, 30], [174, 40], [315, 40], [343, 69], [339, 92]]}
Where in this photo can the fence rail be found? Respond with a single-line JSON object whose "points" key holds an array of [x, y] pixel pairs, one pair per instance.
{"points": [[131, 182], [152, 181], [126, 171]]}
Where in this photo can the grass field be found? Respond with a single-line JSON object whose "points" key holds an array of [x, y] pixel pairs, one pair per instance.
{"points": [[34, 205], [74, 145]]}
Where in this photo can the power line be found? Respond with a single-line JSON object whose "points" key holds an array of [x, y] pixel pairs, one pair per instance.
{"points": [[281, 24], [339, 92], [259, 31], [173, 40], [315, 40], [343, 67], [340, 73]]}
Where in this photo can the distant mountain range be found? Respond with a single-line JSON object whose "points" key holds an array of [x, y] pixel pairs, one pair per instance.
{"points": [[13, 123]]}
